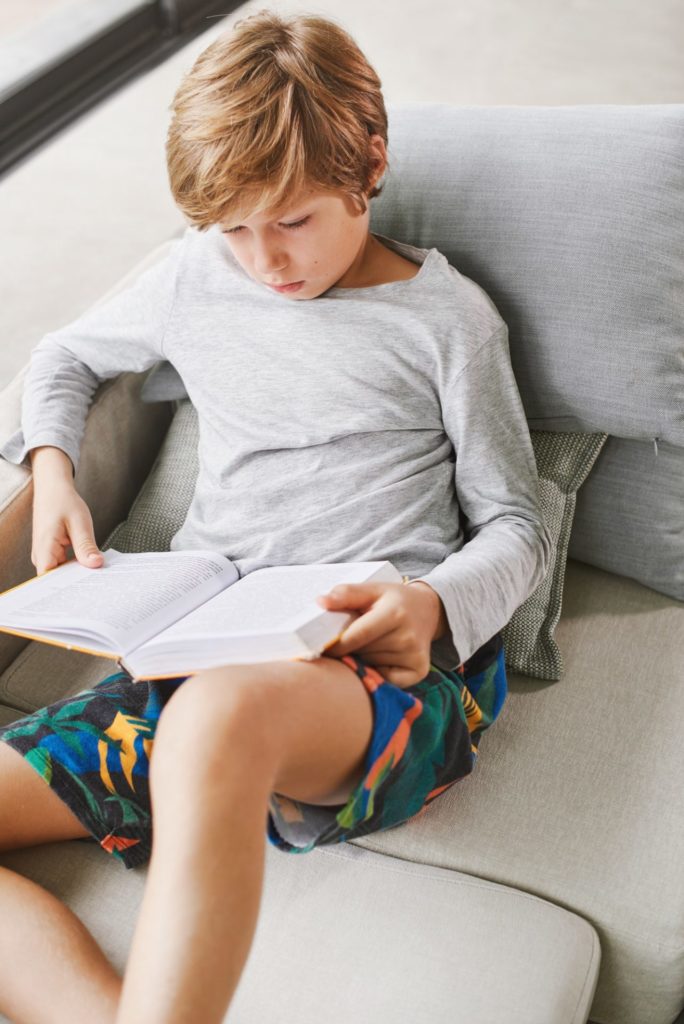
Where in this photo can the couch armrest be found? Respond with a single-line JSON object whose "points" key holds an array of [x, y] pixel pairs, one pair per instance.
{"points": [[121, 441]]}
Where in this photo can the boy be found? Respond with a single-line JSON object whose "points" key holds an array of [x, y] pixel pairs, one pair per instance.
{"points": [[353, 393]]}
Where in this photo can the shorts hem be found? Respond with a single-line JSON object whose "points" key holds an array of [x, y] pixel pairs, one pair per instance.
{"points": [[115, 845]]}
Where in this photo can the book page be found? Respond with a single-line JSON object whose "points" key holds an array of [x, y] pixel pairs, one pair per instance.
{"points": [[126, 601], [270, 600]]}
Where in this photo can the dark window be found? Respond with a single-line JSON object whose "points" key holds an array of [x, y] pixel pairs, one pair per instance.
{"points": [[57, 67]]}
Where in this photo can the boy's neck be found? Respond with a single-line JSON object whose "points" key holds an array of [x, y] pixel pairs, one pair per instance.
{"points": [[376, 264]]}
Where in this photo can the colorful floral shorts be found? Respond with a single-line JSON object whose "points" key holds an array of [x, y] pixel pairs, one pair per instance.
{"points": [[94, 750]]}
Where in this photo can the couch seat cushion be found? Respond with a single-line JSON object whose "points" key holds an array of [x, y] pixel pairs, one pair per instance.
{"points": [[8, 715], [346, 934]]}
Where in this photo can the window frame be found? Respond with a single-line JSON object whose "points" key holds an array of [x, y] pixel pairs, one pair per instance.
{"points": [[41, 102]]}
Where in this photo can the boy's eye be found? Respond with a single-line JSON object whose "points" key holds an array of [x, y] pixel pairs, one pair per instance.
{"points": [[294, 224], [297, 223]]}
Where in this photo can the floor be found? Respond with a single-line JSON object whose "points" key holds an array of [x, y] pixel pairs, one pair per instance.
{"points": [[90, 203]]}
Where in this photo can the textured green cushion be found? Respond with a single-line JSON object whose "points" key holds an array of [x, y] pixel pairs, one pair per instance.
{"points": [[563, 461], [160, 509]]}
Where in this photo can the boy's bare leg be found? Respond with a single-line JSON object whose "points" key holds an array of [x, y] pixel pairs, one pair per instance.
{"points": [[51, 968], [225, 741], [200, 906]]}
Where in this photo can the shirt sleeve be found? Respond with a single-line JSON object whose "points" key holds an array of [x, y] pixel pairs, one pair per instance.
{"points": [[125, 333], [508, 547]]}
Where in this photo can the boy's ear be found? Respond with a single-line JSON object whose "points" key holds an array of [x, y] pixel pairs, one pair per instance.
{"points": [[378, 155]]}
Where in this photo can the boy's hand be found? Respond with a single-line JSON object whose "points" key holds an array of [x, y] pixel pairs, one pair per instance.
{"points": [[62, 519], [394, 628]]}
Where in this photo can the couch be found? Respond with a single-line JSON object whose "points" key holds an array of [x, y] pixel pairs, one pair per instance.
{"points": [[548, 886]]}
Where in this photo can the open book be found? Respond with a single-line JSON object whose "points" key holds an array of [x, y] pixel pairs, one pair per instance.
{"points": [[172, 613]]}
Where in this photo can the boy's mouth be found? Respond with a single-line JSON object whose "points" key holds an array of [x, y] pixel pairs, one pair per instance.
{"points": [[295, 286]]}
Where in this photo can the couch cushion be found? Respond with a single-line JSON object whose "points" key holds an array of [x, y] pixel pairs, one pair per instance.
{"points": [[577, 796], [9, 715], [563, 463], [43, 673], [629, 517], [348, 935], [161, 505], [572, 220]]}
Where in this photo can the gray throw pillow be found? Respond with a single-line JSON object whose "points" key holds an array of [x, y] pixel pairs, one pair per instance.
{"points": [[629, 518], [595, 324], [563, 463]]}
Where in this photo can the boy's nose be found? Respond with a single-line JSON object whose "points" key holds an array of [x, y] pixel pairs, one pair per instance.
{"points": [[269, 261]]}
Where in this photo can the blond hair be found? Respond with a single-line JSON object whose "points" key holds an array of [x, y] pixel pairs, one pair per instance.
{"points": [[271, 107]]}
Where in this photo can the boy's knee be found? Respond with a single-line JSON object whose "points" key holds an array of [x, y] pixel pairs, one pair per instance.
{"points": [[212, 716]]}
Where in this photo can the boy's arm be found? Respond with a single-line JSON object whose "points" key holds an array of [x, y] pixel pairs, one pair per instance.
{"points": [[68, 365], [509, 548]]}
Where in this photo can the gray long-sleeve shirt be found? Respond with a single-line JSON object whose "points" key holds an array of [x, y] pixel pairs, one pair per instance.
{"points": [[349, 427]]}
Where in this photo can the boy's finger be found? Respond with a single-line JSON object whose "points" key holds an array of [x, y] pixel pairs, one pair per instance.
{"points": [[87, 552], [351, 595], [403, 678], [49, 559], [362, 631], [45, 564]]}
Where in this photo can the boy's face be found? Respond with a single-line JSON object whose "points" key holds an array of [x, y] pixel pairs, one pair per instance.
{"points": [[318, 240]]}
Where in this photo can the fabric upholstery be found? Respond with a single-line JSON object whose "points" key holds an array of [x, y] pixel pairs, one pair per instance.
{"points": [[336, 939], [563, 463], [629, 517], [572, 220], [8, 715]]}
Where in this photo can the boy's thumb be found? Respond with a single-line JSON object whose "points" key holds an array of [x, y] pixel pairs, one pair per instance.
{"points": [[88, 553]]}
